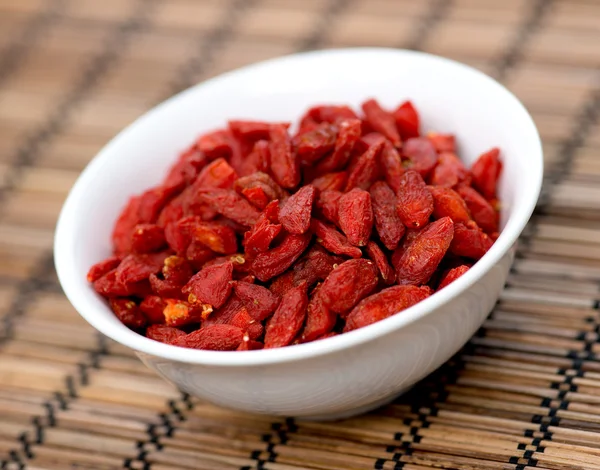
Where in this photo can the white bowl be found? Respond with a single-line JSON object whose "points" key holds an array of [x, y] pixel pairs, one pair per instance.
{"points": [[356, 371]]}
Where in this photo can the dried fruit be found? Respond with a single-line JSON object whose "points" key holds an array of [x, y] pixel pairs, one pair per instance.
{"points": [[420, 155], [164, 334], [415, 202], [407, 120], [288, 319], [387, 222], [259, 301], [385, 304], [448, 203], [270, 263], [470, 242], [212, 337], [378, 257], [284, 164], [128, 313], [481, 210], [452, 275], [355, 216], [381, 121], [234, 246], [211, 285], [424, 254], [320, 320], [295, 213], [348, 284], [486, 171], [449, 171], [334, 241], [328, 204]]}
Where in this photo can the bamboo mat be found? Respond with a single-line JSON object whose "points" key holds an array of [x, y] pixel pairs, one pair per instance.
{"points": [[523, 394]]}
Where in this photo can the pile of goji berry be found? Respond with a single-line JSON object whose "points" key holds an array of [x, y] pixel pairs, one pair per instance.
{"points": [[258, 238]]}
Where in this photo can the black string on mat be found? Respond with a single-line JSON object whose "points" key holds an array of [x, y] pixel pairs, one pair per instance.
{"points": [[18, 50], [99, 66], [209, 47], [436, 13]]}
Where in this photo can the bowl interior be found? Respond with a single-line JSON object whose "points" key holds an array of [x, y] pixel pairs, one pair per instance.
{"points": [[450, 97]]}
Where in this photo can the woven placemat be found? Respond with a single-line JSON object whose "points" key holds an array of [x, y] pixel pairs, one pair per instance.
{"points": [[523, 394]]}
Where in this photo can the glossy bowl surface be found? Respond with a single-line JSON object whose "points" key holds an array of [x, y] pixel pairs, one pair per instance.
{"points": [[355, 371]]}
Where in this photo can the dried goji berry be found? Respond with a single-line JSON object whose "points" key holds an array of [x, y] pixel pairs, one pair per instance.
{"points": [[407, 120], [449, 171], [385, 304], [249, 325], [237, 260], [442, 142], [315, 143], [180, 313], [378, 257], [128, 312], [283, 283], [147, 238], [328, 204], [420, 154], [288, 319], [216, 144], [101, 268], [259, 238], [211, 285], [164, 334], [217, 174], [415, 202], [409, 237], [315, 266], [185, 170], [152, 307], [355, 216], [137, 267], [381, 121], [271, 263], [333, 240], [198, 255], [257, 160], [348, 135], [224, 315], [231, 205], [448, 203], [486, 171], [424, 254], [452, 275], [125, 224], [218, 237], [366, 169], [259, 301], [391, 165], [253, 130], [296, 211], [320, 320], [348, 284], [212, 337], [470, 242], [481, 210], [285, 167], [330, 181], [109, 286], [387, 222], [328, 113], [262, 181]]}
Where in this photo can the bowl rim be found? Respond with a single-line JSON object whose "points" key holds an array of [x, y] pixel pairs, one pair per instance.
{"points": [[514, 226]]}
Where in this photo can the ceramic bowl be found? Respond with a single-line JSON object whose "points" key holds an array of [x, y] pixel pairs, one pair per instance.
{"points": [[356, 371]]}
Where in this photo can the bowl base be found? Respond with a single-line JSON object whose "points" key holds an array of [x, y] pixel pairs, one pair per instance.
{"points": [[338, 415]]}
